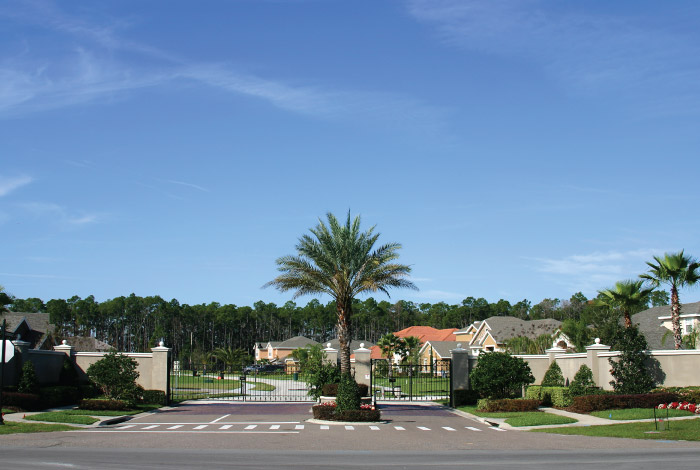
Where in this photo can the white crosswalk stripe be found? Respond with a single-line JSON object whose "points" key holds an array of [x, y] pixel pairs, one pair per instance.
{"points": [[299, 427], [349, 428], [423, 428], [250, 426], [399, 428], [374, 428], [472, 429], [201, 426], [153, 426], [226, 426], [325, 428], [496, 429], [177, 426], [275, 426], [127, 426], [447, 428]]}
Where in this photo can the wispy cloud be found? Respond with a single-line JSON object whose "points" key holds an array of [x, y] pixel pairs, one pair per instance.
{"points": [[9, 184], [189, 185], [57, 214], [584, 51], [105, 67], [594, 271]]}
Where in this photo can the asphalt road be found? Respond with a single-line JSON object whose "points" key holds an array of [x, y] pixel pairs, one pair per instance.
{"points": [[281, 436]]}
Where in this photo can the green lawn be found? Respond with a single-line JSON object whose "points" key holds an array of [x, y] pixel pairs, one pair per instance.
{"points": [[683, 430], [521, 418], [139, 409], [62, 417], [15, 428], [639, 413], [260, 387]]}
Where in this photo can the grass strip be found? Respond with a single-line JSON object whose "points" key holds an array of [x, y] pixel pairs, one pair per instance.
{"points": [[639, 413], [262, 387], [11, 427], [536, 418], [684, 430], [62, 417], [139, 409]]}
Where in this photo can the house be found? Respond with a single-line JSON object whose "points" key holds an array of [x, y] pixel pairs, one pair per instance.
{"points": [[423, 333], [492, 333], [34, 328], [655, 324], [436, 354], [277, 351]]}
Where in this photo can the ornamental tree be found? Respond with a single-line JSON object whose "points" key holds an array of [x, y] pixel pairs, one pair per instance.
{"points": [[115, 374]]}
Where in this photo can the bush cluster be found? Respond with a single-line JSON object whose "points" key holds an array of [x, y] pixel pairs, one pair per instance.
{"points": [[21, 401], [331, 413], [153, 397], [58, 395], [689, 394], [348, 397], [28, 381], [103, 405], [518, 404], [465, 397], [331, 390], [500, 375], [583, 383], [560, 397], [115, 374], [589, 403], [553, 377]]}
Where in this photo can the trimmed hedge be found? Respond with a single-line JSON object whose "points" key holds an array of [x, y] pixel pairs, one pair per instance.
{"points": [[589, 403], [58, 395], [22, 401], [103, 405], [508, 404], [329, 413], [153, 397], [550, 396], [331, 390]]}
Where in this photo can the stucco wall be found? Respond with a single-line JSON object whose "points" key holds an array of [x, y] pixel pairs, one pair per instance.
{"points": [[144, 360]]}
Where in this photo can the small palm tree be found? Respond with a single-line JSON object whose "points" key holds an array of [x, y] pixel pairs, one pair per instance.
{"points": [[627, 297], [677, 271], [412, 345], [341, 261], [391, 345]]}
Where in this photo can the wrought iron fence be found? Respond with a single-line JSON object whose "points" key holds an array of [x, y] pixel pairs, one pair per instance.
{"points": [[411, 382]]}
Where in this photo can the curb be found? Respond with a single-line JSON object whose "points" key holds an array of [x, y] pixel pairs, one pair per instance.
{"points": [[345, 423]]}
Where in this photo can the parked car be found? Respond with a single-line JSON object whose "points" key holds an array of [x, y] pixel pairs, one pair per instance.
{"points": [[258, 368]]}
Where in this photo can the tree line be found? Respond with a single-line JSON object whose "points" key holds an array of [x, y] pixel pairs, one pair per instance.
{"points": [[134, 323]]}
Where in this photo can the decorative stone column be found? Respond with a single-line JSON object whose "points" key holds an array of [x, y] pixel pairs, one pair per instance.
{"points": [[331, 354], [593, 360], [160, 369], [362, 365], [552, 353], [67, 349]]}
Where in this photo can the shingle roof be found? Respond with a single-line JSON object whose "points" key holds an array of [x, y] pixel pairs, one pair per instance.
{"points": [[427, 333], [296, 342], [443, 348], [87, 344], [650, 325], [504, 328], [38, 323]]}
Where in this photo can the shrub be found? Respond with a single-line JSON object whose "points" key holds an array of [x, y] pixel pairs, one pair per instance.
{"points": [[630, 374], [103, 405], [589, 403], [465, 397], [22, 401], [153, 397], [515, 405], [348, 397], [553, 377], [68, 376], [331, 390], [550, 396], [583, 383], [329, 412], [58, 395], [689, 394], [28, 381], [88, 390], [115, 374], [500, 375]]}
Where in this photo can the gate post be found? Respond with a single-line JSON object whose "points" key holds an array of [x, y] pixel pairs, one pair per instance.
{"points": [[160, 369], [331, 354], [459, 372], [362, 365]]}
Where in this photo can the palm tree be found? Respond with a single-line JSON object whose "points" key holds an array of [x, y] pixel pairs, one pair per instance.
{"points": [[412, 346], [391, 345], [676, 270], [627, 297], [341, 261]]}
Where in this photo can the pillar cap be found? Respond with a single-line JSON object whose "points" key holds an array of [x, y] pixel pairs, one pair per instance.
{"points": [[597, 346]]}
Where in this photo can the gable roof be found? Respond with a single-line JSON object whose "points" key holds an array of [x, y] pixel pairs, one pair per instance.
{"points": [[295, 342], [442, 348], [651, 326], [87, 344], [503, 328], [427, 333], [39, 329]]}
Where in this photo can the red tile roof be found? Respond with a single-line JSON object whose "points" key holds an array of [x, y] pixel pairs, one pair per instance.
{"points": [[428, 333]]}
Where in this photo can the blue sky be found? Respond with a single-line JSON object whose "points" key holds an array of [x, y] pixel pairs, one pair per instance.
{"points": [[516, 149]]}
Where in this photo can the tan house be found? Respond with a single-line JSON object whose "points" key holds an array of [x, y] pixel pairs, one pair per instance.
{"points": [[655, 324], [492, 333], [277, 351]]}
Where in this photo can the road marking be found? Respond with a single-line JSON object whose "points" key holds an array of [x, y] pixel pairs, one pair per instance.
{"points": [[472, 429], [176, 426], [447, 428], [325, 428], [423, 428], [275, 426], [349, 428], [201, 426], [126, 427], [219, 419], [496, 429], [187, 432], [151, 427], [374, 428], [226, 426], [299, 426], [399, 428], [252, 426]]}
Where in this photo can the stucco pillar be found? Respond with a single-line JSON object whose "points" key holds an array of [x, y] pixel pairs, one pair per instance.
{"points": [[552, 353], [160, 369], [331, 354], [362, 365], [592, 352], [67, 349]]}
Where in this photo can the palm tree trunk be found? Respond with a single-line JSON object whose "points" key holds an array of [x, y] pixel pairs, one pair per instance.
{"points": [[628, 319], [676, 317], [344, 310]]}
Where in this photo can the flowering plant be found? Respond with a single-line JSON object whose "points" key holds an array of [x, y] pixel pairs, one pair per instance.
{"points": [[366, 407], [330, 404], [684, 405]]}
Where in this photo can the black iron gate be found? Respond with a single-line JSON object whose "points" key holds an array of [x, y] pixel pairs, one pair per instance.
{"points": [[191, 381], [411, 382]]}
